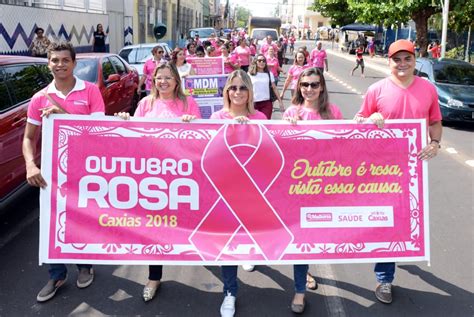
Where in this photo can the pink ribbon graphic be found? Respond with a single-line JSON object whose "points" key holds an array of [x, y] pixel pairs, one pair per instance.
{"points": [[241, 189]]}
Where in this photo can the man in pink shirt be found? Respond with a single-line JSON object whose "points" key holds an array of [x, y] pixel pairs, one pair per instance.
{"points": [[401, 96], [268, 43], [66, 94], [319, 58]]}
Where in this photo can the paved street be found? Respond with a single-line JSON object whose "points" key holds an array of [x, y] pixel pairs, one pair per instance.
{"points": [[442, 288]]}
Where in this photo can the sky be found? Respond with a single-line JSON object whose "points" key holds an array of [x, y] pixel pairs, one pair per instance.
{"points": [[259, 8]]}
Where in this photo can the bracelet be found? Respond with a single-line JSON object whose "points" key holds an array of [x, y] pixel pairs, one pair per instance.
{"points": [[436, 141]]}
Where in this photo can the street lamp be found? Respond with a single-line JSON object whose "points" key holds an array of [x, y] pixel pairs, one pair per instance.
{"points": [[444, 32]]}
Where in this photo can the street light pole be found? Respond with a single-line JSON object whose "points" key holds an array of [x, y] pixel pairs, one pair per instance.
{"points": [[444, 33]]}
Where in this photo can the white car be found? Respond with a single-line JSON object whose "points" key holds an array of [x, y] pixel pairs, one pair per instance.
{"points": [[204, 33], [137, 55]]}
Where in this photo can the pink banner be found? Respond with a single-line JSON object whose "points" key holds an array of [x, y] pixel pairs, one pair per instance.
{"points": [[214, 192], [207, 65]]}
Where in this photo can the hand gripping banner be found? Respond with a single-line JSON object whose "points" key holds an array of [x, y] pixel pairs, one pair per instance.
{"points": [[252, 162]]}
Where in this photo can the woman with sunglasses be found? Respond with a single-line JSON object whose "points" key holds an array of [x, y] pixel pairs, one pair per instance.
{"points": [[263, 80], [294, 72], [238, 99], [238, 105], [178, 58], [149, 67], [310, 102], [166, 101]]}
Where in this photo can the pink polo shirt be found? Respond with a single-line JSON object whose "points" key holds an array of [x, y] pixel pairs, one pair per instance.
{"points": [[233, 58], [317, 57], [84, 98], [224, 114], [148, 70], [305, 113], [166, 109], [266, 46]]}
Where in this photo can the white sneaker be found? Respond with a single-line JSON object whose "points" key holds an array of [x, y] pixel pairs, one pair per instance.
{"points": [[248, 267], [228, 306]]}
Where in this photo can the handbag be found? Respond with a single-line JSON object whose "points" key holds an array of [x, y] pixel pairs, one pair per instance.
{"points": [[273, 96]]}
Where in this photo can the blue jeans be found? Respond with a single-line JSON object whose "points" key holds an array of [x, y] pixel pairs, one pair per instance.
{"points": [[229, 278], [59, 271], [384, 272]]}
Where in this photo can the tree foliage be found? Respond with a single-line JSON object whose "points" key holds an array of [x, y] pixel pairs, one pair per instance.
{"points": [[242, 16], [337, 10]]}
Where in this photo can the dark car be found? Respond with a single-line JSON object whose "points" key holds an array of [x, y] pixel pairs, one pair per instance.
{"points": [[20, 78], [454, 81], [117, 81]]}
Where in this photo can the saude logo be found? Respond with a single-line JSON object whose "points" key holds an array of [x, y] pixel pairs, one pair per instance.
{"points": [[318, 216]]}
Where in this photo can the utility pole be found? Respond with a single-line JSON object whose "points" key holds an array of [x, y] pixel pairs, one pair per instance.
{"points": [[444, 33]]}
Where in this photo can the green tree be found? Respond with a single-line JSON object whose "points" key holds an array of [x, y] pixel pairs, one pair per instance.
{"points": [[391, 12], [242, 16], [337, 10]]}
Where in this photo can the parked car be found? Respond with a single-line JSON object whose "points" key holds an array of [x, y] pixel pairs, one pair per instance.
{"points": [[454, 81], [20, 78], [116, 80], [204, 33], [137, 55]]}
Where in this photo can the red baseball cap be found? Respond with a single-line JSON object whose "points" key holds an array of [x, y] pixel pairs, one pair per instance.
{"points": [[399, 46]]}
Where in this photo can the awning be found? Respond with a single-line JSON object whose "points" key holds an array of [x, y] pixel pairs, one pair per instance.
{"points": [[359, 27]]}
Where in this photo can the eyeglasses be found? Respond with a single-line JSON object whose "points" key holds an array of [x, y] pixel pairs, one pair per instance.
{"points": [[261, 61], [314, 85], [235, 88]]}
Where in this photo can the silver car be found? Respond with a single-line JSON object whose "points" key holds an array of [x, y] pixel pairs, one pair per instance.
{"points": [[137, 55]]}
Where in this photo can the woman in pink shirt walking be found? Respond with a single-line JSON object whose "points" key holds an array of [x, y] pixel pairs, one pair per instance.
{"points": [[243, 52], [294, 72], [166, 101]]}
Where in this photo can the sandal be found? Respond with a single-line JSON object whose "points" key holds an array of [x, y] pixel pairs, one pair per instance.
{"points": [[149, 292], [311, 282]]}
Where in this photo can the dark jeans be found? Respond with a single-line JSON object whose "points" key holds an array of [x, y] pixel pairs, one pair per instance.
{"points": [[384, 272], [229, 278], [155, 272], [59, 271]]}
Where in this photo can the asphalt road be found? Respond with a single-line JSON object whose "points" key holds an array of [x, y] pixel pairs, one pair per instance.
{"points": [[443, 288]]}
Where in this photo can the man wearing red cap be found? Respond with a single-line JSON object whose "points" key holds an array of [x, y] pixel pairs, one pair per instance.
{"points": [[401, 96]]}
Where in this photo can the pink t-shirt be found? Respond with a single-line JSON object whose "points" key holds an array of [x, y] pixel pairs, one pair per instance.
{"points": [[84, 98], [272, 64], [418, 101], [224, 114], [233, 58], [294, 72], [309, 114], [148, 70], [318, 57], [266, 46], [243, 54], [166, 109]]}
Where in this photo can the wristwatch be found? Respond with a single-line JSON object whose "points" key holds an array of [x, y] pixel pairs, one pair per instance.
{"points": [[435, 141]]}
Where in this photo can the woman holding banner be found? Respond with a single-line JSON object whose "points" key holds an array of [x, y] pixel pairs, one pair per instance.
{"points": [[166, 101], [264, 86], [178, 58], [310, 102], [238, 99]]}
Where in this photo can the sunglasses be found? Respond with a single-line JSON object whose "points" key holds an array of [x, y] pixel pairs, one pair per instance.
{"points": [[313, 85], [261, 60], [159, 52], [235, 88]]}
